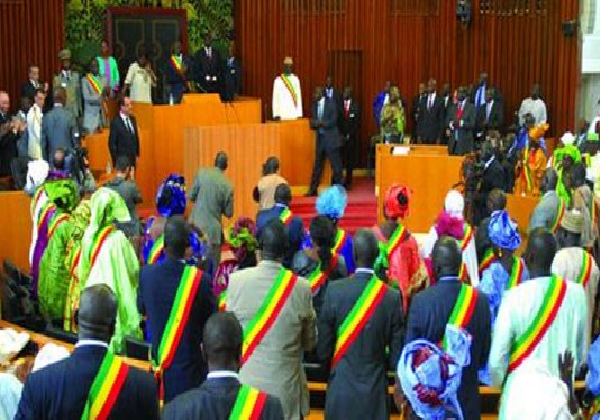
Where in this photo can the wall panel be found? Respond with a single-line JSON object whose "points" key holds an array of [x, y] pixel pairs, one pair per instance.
{"points": [[32, 31], [515, 47]]}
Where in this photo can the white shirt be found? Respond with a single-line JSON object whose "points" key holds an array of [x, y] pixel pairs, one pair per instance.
{"points": [[431, 100], [127, 122], [140, 83], [537, 108], [217, 374], [34, 130], [99, 343], [283, 104]]}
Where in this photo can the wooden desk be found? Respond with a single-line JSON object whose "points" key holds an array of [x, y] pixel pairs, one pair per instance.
{"points": [[15, 229]]}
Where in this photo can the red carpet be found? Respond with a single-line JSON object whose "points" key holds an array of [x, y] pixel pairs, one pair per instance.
{"points": [[361, 211]]}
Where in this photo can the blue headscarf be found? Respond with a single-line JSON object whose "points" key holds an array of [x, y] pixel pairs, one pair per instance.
{"points": [[332, 202], [430, 378], [503, 232], [170, 198]]}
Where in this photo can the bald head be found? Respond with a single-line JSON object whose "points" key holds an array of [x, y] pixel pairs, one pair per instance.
{"points": [[273, 240], [446, 257], [97, 312], [540, 252], [366, 248], [177, 236], [549, 181], [222, 342]]}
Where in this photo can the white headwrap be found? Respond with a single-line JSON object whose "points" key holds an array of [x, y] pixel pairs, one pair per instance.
{"points": [[37, 172], [454, 204], [568, 138]]}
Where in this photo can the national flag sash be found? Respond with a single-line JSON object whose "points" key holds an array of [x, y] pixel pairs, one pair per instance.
{"points": [[157, 250], [467, 236], [36, 199], [317, 278], [177, 63], [106, 388], [178, 319], [516, 272], [586, 269], [56, 222], [286, 216], [68, 321], [99, 240], [44, 217], [463, 309], [94, 83], [290, 87], [249, 404], [527, 172], [463, 274], [268, 312], [223, 301], [357, 318], [340, 239], [488, 259], [524, 345], [560, 212], [399, 236]]}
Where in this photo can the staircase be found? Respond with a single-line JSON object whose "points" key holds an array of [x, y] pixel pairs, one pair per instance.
{"points": [[361, 211]]}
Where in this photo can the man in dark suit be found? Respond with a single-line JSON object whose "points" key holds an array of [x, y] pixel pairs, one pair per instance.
{"points": [[62, 389], [324, 119], [294, 226], [447, 101], [10, 129], [431, 115], [232, 77], [33, 84], [124, 137], [430, 311], [58, 128], [208, 67], [218, 395], [460, 124], [349, 124], [489, 117], [415, 113], [492, 179], [357, 386], [177, 72], [332, 93], [158, 288]]}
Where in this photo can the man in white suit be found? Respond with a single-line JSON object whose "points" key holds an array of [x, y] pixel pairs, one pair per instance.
{"points": [[287, 96]]}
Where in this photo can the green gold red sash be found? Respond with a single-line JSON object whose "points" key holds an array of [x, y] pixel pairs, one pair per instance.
{"points": [[249, 404], [340, 238], [95, 83], [177, 63], [178, 319], [268, 312], [290, 87], [36, 199], [488, 259], [586, 269], [106, 388], [98, 242], [463, 309], [463, 274], [286, 216], [45, 215], [527, 342], [357, 318], [157, 250], [56, 221], [316, 279], [559, 215], [516, 272], [223, 301], [464, 242], [396, 239]]}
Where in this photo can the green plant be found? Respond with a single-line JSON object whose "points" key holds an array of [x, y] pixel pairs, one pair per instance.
{"points": [[85, 22]]}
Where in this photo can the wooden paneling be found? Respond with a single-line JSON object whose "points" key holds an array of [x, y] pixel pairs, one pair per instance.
{"points": [[15, 229], [247, 146], [32, 32], [409, 44]]}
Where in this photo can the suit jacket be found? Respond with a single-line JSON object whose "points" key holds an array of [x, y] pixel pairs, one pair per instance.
{"points": [[494, 121], [358, 383], [544, 214], [60, 390], [431, 119], [232, 78], [294, 230], [8, 146], [212, 194], [58, 130], [174, 79], [427, 318], [121, 141], [28, 89], [214, 400], [156, 294], [208, 67], [328, 136], [461, 135], [349, 123], [275, 366], [336, 96]]}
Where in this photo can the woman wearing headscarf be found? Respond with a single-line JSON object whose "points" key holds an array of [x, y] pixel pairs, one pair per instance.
{"points": [[319, 265], [54, 276], [170, 201], [451, 222], [399, 258], [332, 204], [107, 257], [392, 118]]}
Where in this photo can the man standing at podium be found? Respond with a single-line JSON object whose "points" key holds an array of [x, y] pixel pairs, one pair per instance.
{"points": [[323, 120], [287, 96]]}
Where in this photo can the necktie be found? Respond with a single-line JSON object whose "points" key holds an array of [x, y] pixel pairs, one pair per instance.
{"points": [[347, 108], [129, 125], [430, 102]]}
